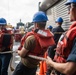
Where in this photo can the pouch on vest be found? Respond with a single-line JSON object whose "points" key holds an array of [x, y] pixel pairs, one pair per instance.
{"points": [[5, 42]]}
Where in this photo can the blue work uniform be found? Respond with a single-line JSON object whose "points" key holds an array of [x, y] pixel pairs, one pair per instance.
{"points": [[51, 51], [72, 55], [57, 35]]}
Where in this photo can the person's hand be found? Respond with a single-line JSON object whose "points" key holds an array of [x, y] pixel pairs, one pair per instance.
{"points": [[16, 51], [49, 61], [53, 72]]}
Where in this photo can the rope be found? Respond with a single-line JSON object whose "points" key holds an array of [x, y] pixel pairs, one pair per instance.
{"points": [[36, 57], [31, 56], [7, 52]]}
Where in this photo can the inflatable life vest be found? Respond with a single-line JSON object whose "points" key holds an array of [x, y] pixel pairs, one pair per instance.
{"points": [[64, 45], [44, 39], [6, 41]]}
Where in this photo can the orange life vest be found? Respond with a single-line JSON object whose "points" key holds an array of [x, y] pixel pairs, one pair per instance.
{"points": [[6, 41], [44, 39], [65, 43]]}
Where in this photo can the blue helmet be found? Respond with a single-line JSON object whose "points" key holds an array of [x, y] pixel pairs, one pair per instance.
{"points": [[50, 27], [3, 21], [40, 17], [59, 19], [70, 1]]}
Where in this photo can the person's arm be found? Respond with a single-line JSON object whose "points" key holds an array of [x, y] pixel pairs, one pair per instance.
{"points": [[28, 45], [22, 52], [69, 66], [66, 68]]}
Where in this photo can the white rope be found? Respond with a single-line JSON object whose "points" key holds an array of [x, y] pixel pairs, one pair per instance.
{"points": [[7, 52], [36, 57], [31, 56]]}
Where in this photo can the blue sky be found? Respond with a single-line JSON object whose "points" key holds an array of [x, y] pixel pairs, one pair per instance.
{"points": [[14, 10]]}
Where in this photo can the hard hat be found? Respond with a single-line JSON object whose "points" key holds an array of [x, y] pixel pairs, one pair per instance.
{"points": [[40, 17], [50, 27], [70, 1], [3, 21], [59, 19]]}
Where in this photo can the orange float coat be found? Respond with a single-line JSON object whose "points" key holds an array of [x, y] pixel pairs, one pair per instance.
{"points": [[44, 39], [65, 44], [6, 40]]}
